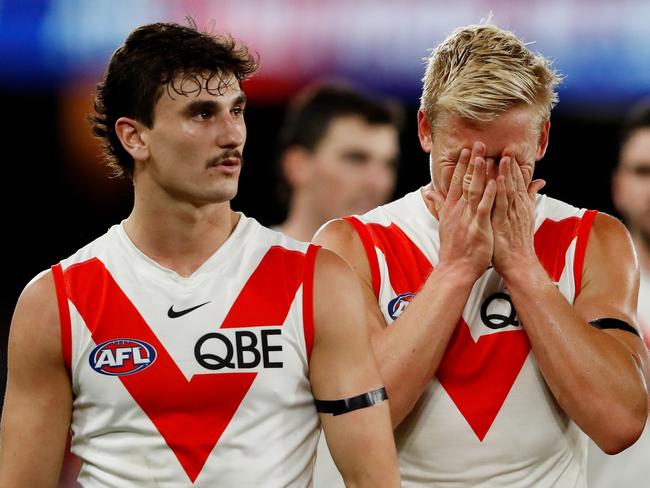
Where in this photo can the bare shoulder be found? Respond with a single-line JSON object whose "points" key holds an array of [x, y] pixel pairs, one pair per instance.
{"points": [[340, 236], [609, 242], [36, 318], [605, 225], [337, 234], [610, 278]]}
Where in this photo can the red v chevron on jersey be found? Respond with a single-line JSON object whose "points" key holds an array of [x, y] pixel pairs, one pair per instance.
{"points": [[477, 375], [190, 415]]}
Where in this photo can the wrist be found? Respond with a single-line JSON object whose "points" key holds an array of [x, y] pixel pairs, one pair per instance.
{"points": [[458, 272], [524, 272]]}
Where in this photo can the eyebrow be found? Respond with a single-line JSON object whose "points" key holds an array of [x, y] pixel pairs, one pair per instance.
{"points": [[211, 105]]}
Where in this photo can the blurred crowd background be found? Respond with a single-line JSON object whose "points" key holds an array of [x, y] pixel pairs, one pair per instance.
{"points": [[57, 195]]}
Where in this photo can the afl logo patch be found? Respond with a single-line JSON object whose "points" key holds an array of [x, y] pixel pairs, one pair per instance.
{"points": [[397, 305], [119, 357]]}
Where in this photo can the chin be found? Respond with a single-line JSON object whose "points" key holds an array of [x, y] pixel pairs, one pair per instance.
{"points": [[220, 195]]}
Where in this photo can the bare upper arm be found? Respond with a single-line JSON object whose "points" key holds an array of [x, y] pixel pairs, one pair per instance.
{"points": [[610, 277], [343, 365], [610, 282], [339, 236], [37, 408], [340, 332]]}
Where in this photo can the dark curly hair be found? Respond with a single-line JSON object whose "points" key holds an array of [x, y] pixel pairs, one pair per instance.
{"points": [[155, 57]]}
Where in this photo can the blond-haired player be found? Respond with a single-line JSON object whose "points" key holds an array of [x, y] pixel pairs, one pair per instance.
{"points": [[502, 319]]}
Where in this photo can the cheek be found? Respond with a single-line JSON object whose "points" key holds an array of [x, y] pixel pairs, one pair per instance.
{"points": [[637, 191], [442, 174], [388, 180], [328, 177]]}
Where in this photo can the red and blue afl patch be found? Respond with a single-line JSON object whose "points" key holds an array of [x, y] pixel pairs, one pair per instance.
{"points": [[398, 304], [119, 357]]}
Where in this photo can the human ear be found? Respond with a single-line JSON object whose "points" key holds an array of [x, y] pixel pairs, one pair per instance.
{"points": [[424, 132], [130, 132], [296, 166], [542, 143]]}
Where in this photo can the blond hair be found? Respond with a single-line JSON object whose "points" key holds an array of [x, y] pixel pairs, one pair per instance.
{"points": [[480, 71]]}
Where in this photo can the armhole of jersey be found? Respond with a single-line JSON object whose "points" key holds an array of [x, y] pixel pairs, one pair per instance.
{"points": [[581, 247], [371, 254], [308, 298], [64, 316]]}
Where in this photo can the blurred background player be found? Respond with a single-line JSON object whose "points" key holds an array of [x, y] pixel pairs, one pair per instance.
{"points": [[339, 155], [631, 195], [339, 150]]}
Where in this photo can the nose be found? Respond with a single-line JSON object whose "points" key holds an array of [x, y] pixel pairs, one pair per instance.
{"points": [[231, 132]]}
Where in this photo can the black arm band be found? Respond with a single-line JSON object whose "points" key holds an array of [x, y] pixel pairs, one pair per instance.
{"points": [[608, 323], [339, 407]]}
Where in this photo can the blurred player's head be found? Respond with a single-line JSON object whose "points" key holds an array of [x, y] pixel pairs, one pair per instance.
{"points": [[631, 183], [156, 61], [339, 151], [483, 84]]}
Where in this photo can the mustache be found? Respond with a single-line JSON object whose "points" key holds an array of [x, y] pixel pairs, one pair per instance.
{"points": [[227, 154]]}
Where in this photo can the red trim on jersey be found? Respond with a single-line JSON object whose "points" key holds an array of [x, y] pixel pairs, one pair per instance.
{"points": [[368, 244], [477, 375], [308, 298], [408, 265], [581, 247], [64, 316], [552, 239], [190, 415]]}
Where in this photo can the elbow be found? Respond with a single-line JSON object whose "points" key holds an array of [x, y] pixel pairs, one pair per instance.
{"points": [[623, 434]]}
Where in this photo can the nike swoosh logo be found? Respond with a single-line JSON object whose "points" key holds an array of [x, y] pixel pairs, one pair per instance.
{"points": [[173, 314]]}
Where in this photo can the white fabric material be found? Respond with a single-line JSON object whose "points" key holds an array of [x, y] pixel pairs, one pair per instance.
{"points": [[271, 439], [531, 442]]}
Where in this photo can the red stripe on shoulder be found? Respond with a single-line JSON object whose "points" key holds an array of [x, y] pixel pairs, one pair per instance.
{"points": [[552, 239], [270, 290], [586, 223], [308, 298], [408, 267], [64, 315], [369, 246]]}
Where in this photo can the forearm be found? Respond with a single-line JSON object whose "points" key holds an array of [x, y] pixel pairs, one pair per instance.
{"points": [[410, 349], [593, 375]]}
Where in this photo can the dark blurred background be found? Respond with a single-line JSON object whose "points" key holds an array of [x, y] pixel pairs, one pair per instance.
{"points": [[57, 194]]}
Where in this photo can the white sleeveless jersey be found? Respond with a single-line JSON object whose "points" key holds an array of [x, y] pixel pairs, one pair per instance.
{"points": [[487, 418], [199, 381]]}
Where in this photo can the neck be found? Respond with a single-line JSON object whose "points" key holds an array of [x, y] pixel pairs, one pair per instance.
{"points": [[181, 236], [302, 222]]}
